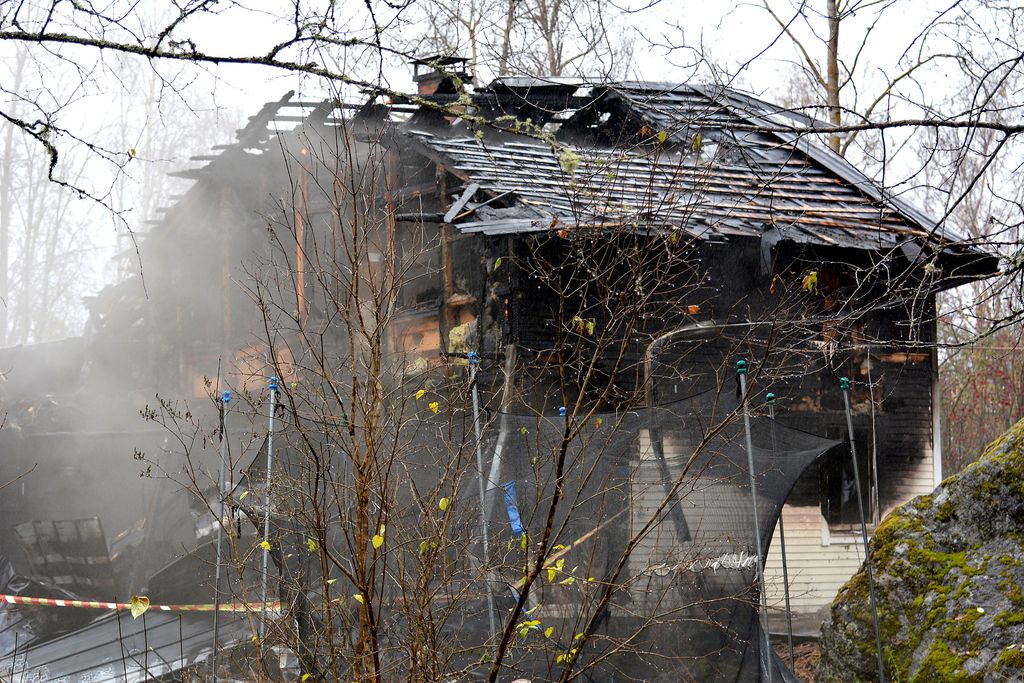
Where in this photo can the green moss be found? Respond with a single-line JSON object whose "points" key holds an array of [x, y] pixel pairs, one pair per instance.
{"points": [[1009, 561], [1006, 453], [1012, 590], [893, 530], [962, 631], [946, 512], [942, 664], [936, 565], [940, 574], [989, 488], [938, 611], [895, 665], [1010, 444], [1008, 618], [1011, 658], [940, 579]]}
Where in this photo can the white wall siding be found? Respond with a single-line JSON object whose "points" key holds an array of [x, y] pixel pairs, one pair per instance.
{"points": [[820, 561]]}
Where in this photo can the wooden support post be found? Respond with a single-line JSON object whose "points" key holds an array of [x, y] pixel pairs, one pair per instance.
{"points": [[298, 214], [447, 320]]}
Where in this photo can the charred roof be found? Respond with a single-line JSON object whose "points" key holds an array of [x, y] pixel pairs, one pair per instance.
{"points": [[711, 162]]}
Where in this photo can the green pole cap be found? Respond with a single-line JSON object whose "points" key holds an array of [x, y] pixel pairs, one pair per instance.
{"points": [[770, 398], [844, 383], [741, 367]]}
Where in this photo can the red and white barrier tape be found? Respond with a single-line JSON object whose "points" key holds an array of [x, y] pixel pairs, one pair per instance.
{"points": [[95, 604]]}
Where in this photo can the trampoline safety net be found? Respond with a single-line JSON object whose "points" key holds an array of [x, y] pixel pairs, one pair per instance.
{"points": [[653, 541]]}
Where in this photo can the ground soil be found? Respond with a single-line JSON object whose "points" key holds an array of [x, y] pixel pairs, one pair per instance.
{"points": [[806, 656]]}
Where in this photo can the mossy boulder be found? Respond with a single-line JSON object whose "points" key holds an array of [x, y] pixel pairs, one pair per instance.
{"points": [[949, 572]]}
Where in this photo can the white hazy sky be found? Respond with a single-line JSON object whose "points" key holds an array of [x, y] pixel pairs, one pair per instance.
{"points": [[737, 35]]}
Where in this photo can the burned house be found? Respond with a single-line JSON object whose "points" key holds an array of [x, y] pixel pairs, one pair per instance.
{"points": [[604, 249]]}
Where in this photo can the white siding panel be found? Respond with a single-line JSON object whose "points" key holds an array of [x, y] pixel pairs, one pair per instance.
{"points": [[818, 570]]}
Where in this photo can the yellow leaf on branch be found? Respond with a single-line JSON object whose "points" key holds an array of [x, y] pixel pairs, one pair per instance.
{"points": [[139, 605], [810, 283]]}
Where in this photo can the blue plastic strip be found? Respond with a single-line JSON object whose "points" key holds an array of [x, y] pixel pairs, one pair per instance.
{"points": [[509, 489]]}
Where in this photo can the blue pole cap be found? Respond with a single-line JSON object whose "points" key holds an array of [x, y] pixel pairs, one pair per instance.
{"points": [[844, 383], [226, 396], [273, 383], [471, 357], [770, 398], [741, 367], [561, 411]]}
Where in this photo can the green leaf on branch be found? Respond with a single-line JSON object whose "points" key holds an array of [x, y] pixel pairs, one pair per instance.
{"points": [[569, 161]]}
